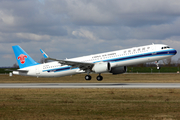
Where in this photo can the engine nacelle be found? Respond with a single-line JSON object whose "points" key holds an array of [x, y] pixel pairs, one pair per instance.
{"points": [[118, 70], [102, 67]]}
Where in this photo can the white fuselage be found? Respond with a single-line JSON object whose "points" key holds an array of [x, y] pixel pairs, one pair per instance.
{"points": [[126, 57]]}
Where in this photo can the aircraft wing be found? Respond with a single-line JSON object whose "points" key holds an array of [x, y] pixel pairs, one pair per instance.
{"points": [[74, 64]]}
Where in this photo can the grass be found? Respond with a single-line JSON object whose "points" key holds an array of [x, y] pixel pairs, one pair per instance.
{"points": [[108, 78], [102, 104], [87, 104]]}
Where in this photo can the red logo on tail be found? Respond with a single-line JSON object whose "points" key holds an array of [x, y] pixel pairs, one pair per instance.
{"points": [[22, 58]]}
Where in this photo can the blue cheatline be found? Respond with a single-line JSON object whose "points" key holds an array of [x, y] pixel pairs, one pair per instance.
{"points": [[151, 54]]}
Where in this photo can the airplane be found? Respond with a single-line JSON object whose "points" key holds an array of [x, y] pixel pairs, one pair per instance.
{"points": [[114, 62]]}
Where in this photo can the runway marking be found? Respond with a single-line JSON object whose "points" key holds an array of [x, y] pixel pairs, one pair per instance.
{"points": [[90, 85]]}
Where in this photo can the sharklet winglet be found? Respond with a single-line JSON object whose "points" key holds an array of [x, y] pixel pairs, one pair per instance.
{"points": [[44, 54]]}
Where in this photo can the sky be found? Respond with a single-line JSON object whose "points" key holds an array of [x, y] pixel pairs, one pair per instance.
{"points": [[73, 28]]}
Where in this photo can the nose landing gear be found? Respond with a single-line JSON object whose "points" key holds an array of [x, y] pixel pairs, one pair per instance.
{"points": [[158, 68]]}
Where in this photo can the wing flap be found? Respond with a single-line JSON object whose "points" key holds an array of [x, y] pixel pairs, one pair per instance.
{"points": [[22, 70]]}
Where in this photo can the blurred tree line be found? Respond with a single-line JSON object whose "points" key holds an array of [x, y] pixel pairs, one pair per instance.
{"points": [[166, 62], [43, 60]]}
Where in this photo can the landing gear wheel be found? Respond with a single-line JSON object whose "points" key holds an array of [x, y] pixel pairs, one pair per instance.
{"points": [[99, 78], [88, 77], [158, 68]]}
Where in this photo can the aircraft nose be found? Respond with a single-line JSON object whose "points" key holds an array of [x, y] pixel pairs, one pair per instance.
{"points": [[175, 51]]}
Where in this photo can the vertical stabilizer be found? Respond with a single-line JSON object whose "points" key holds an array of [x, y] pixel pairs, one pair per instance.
{"points": [[23, 59]]}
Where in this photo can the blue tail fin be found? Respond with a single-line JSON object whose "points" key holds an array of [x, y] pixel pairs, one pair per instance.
{"points": [[23, 59]]}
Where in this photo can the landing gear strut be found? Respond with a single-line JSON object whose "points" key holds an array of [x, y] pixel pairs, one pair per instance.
{"points": [[88, 77], [158, 68]]}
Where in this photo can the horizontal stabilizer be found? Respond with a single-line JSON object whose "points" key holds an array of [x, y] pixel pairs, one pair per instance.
{"points": [[17, 70], [22, 70]]}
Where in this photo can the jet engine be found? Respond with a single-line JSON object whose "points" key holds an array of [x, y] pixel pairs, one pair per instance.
{"points": [[118, 70], [102, 67]]}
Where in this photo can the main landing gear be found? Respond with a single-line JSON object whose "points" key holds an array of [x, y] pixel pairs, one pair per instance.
{"points": [[88, 77], [158, 68], [99, 77]]}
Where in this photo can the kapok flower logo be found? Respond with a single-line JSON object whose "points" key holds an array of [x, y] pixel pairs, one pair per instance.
{"points": [[22, 58]]}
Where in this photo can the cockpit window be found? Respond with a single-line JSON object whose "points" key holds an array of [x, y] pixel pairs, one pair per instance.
{"points": [[165, 47]]}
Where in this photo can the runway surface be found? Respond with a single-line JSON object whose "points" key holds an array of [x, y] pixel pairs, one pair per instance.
{"points": [[90, 85]]}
